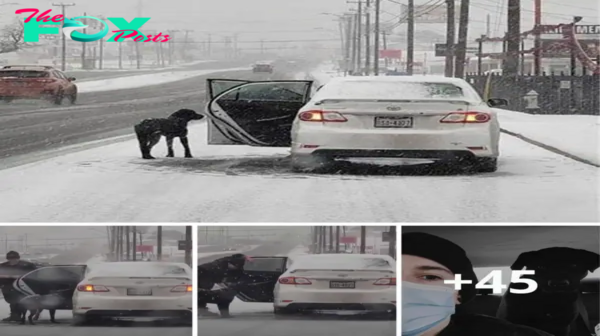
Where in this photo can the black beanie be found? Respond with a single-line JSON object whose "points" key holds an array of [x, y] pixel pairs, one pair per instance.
{"points": [[13, 255], [444, 252]]}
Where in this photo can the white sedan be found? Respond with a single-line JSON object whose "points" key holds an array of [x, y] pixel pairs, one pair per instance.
{"points": [[428, 118], [410, 117], [157, 290], [361, 282]]}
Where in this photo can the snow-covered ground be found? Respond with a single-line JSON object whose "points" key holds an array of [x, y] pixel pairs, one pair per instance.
{"points": [[250, 184], [578, 135], [130, 82], [113, 65]]}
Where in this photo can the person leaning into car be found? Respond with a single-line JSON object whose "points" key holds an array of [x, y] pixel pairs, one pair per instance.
{"points": [[14, 265], [429, 305]]}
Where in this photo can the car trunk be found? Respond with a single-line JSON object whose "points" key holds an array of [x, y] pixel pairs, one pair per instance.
{"points": [[395, 116], [343, 279], [140, 286]]}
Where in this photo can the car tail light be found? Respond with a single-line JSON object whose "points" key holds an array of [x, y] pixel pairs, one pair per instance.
{"points": [[92, 288], [182, 289], [322, 116], [385, 282], [294, 281], [466, 118]]}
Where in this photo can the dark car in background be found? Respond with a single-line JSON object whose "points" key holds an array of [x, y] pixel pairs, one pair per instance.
{"points": [[36, 82], [262, 67]]}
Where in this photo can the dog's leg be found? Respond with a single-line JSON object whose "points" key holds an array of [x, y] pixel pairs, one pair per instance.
{"points": [[52, 316], [36, 316], [186, 147], [153, 139], [170, 147], [31, 315], [224, 308], [143, 141]]}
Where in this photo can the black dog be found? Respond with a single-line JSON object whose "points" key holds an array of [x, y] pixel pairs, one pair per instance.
{"points": [[555, 305], [34, 305], [149, 132]]}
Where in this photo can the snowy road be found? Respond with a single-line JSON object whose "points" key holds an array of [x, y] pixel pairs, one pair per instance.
{"points": [[242, 184], [257, 319]]}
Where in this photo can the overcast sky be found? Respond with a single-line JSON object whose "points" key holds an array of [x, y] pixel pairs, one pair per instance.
{"points": [[276, 20]]}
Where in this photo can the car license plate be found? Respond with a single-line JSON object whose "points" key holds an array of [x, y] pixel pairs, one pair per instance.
{"points": [[342, 284], [139, 291], [393, 122]]}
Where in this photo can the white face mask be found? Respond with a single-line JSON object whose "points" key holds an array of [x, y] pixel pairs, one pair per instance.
{"points": [[597, 330], [425, 307]]}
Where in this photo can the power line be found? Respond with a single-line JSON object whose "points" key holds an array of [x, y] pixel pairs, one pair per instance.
{"points": [[63, 6]]}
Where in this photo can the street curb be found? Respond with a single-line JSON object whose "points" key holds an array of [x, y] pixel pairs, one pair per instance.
{"points": [[550, 148]]}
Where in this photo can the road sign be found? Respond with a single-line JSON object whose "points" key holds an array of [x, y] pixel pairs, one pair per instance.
{"points": [[144, 248], [440, 49], [579, 30], [182, 245], [348, 240], [428, 13]]}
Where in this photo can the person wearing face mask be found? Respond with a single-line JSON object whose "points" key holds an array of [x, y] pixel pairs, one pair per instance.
{"points": [[429, 305], [222, 270], [13, 266]]}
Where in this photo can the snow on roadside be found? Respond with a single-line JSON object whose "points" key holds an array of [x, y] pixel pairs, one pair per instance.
{"points": [[129, 67], [578, 135], [131, 82]]}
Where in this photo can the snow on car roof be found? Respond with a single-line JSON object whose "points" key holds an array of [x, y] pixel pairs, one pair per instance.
{"points": [[343, 261], [397, 88], [140, 268]]}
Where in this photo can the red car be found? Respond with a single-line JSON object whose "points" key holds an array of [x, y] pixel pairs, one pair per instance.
{"points": [[36, 82]]}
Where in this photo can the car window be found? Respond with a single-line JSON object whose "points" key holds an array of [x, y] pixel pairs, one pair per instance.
{"points": [[268, 92], [341, 261], [56, 273], [23, 74], [265, 264], [368, 89], [60, 75]]}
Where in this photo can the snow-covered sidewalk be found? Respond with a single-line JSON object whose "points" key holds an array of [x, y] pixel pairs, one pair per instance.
{"points": [[130, 82], [577, 135]]}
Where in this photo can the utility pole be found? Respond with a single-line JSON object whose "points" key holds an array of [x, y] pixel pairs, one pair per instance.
{"points": [[384, 37], [134, 243], [410, 38], [188, 245], [159, 243], [319, 238], [63, 7], [392, 246], [315, 240], [101, 42], [83, 47], [363, 237], [368, 29], [324, 239], [348, 22], [120, 55], [537, 52], [337, 239], [127, 243], [359, 37], [354, 30], [463, 30], [450, 39], [376, 35], [513, 43], [330, 238], [137, 45]]}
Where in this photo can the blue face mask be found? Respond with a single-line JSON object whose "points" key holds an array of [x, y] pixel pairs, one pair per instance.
{"points": [[424, 307]]}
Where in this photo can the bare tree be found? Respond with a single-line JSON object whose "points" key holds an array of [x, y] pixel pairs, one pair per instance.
{"points": [[11, 38]]}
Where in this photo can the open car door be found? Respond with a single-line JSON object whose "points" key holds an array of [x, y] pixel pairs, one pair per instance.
{"points": [[61, 279], [261, 274], [218, 132], [257, 113]]}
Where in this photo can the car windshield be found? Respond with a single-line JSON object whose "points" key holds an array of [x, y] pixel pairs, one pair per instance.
{"points": [[138, 269], [339, 262], [389, 90], [23, 74]]}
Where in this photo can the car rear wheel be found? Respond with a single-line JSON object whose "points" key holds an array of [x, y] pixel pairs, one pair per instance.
{"points": [[73, 98], [485, 165], [309, 163], [58, 98], [79, 320], [279, 311]]}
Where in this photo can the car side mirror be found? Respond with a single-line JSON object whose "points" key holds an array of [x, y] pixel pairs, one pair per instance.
{"points": [[494, 102], [71, 79]]}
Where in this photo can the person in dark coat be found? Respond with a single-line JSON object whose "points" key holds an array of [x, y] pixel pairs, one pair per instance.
{"points": [[223, 270], [13, 267], [429, 306]]}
